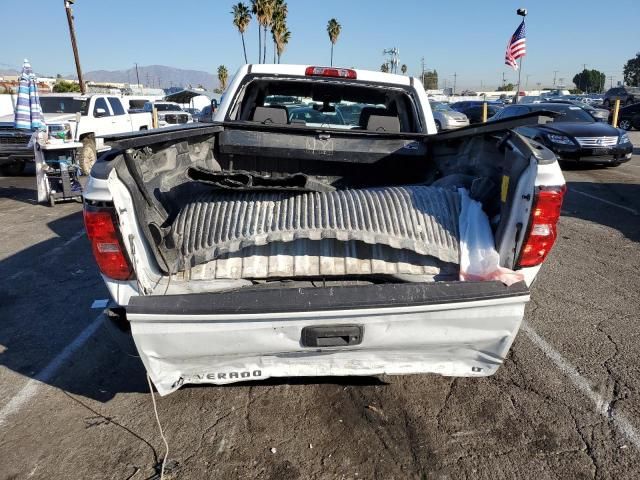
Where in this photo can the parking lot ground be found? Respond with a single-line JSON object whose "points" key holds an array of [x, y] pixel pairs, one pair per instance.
{"points": [[565, 404]]}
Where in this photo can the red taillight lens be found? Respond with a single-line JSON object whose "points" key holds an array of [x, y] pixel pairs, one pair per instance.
{"points": [[105, 243], [542, 232], [330, 72]]}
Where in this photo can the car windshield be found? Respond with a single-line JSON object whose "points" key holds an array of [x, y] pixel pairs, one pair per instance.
{"points": [[569, 113], [64, 105], [166, 107], [440, 107]]}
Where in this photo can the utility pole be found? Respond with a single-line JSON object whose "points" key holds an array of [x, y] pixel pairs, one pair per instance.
{"points": [[455, 78], [555, 72], [137, 75], [611, 80], [422, 78], [526, 83], [503, 81], [74, 45]]}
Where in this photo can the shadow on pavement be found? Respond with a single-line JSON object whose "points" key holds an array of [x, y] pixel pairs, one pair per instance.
{"points": [[47, 291], [581, 205]]}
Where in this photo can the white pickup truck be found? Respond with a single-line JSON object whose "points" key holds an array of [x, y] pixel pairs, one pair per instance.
{"points": [[88, 118], [321, 236]]}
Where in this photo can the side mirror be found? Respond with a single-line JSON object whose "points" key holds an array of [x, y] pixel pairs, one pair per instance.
{"points": [[99, 112]]}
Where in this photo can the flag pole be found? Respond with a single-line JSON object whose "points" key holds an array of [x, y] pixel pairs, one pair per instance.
{"points": [[519, 76]]}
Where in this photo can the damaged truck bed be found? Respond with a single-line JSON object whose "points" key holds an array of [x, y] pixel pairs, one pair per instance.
{"points": [[320, 234]]}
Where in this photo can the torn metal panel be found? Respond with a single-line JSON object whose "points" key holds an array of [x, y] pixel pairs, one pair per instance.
{"points": [[421, 219]]}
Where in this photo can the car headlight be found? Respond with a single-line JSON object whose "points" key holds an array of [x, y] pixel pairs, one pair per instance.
{"points": [[560, 139], [624, 138]]}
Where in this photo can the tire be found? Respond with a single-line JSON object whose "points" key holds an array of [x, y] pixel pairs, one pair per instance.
{"points": [[13, 169], [438, 126], [606, 103], [625, 124], [87, 154]]}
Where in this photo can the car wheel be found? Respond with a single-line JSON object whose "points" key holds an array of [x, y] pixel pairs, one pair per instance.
{"points": [[87, 154], [625, 124], [13, 169], [606, 103], [438, 125]]}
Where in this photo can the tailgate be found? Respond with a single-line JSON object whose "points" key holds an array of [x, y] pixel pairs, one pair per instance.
{"points": [[449, 328]]}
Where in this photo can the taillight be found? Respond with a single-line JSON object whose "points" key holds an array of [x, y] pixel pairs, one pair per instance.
{"points": [[543, 229], [105, 242], [331, 72]]}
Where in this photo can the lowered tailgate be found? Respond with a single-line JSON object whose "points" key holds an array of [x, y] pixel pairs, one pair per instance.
{"points": [[448, 328]]}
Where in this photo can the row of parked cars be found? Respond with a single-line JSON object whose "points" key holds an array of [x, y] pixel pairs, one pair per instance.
{"points": [[579, 131]]}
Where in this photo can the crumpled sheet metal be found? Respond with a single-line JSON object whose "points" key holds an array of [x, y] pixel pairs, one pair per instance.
{"points": [[421, 219], [313, 258]]}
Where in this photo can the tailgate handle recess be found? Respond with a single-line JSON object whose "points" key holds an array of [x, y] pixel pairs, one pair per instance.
{"points": [[331, 336]]}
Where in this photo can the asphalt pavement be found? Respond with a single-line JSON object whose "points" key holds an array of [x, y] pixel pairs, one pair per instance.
{"points": [[566, 403]]}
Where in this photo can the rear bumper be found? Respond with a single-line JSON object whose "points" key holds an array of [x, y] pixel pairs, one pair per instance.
{"points": [[14, 153], [450, 124], [615, 156], [456, 329]]}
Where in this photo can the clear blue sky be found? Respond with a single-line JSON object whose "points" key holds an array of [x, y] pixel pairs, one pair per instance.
{"points": [[467, 37]]}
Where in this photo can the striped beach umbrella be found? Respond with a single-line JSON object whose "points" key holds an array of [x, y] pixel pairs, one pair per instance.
{"points": [[28, 110]]}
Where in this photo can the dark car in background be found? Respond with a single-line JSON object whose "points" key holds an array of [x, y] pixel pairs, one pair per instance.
{"points": [[600, 114], [473, 109], [573, 135], [627, 96], [629, 117], [14, 149]]}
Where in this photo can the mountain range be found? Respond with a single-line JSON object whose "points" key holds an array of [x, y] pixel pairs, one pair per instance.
{"points": [[156, 76], [150, 76]]}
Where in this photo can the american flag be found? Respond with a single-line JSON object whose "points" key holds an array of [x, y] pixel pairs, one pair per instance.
{"points": [[517, 47]]}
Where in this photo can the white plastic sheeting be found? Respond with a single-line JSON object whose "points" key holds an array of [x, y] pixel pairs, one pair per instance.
{"points": [[479, 259]]}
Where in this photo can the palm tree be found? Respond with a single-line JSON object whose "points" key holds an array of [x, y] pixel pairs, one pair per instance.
{"points": [[333, 29], [281, 36], [263, 11], [278, 22], [223, 75], [241, 20], [257, 8], [403, 68]]}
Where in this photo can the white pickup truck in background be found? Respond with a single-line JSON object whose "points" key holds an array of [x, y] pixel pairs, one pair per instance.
{"points": [[169, 113], [324, 235], [87, 117]]}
